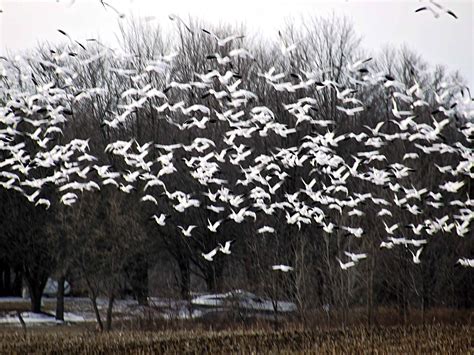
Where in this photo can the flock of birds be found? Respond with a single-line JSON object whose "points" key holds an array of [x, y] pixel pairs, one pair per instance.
{"points": [[34, 154]]}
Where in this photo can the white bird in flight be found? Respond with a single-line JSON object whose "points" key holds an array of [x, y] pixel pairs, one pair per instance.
{"points": [[209, 256], [223, 41], [160, 220], [266, 229], [283, 268], [356, 257], [213, 226], [466, 262], [345, 266], [225, 249], [187, 231], [416, 256]]}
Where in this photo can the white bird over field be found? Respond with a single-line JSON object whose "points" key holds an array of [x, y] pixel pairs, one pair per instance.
{"points": [[345, 266], [44, 202], [266, 229], [225, 249], [213, 226], [436, 12], [466, 262], [386, 245], [149, 198], [269, 76], [452, 186], [187, 231], [416, 256], [391, 229], [209, 256], [355, 257], [283, 268], [223, 41], [350, 111], [160, 220]]}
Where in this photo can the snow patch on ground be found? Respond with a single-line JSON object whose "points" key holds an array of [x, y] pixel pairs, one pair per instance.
{"points": [[39, 318], [243, 300]]}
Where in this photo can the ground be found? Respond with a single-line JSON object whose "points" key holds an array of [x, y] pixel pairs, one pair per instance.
{"points": [[137, 331], [439, 339]]}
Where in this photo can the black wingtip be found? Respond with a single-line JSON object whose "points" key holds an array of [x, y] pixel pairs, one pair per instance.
{"points": [[80, 44], [452, 14]]}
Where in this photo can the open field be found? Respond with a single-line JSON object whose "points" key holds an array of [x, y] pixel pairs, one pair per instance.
{"points": [[441, 339]]}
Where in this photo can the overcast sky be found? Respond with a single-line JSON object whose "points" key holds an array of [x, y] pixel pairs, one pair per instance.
{"points": [[442, 40]]}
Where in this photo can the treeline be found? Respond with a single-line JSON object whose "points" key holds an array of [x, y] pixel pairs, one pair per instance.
{"points": [[272, 132]]}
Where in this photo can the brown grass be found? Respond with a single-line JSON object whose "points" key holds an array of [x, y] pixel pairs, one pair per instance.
{"points": [[441, 339], [440, 331]]}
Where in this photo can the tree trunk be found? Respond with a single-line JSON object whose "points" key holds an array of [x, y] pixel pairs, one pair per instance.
{"points": [[214, 277], [35, 287], [275, 301], [35, 297], [97, 313], [93, 298], [17, 281], [185, 281], [139, 279], [110, 306], [60, 298], [211, 280], [370, 289], [5, 279]]}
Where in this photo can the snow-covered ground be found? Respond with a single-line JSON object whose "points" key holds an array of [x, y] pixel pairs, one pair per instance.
{"points": [[201, 305], [206, 304], [31, 318], [243, 300]]}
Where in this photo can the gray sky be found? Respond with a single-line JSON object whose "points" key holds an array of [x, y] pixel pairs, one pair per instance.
{"points": [[442, 40]]}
